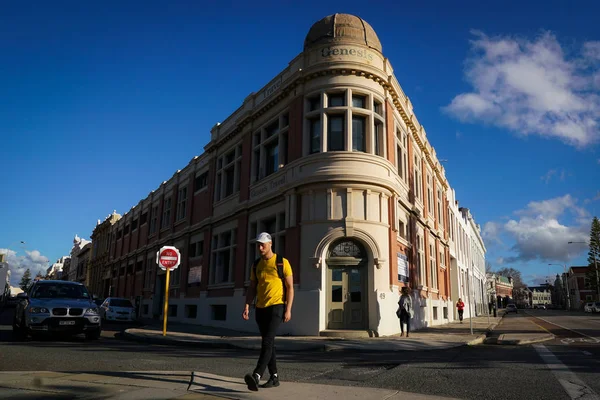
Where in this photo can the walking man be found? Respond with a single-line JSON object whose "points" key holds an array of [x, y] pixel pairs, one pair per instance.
{"points": [[272, 283]]}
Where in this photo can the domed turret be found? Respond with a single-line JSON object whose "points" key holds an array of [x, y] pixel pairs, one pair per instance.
{"points": [[342, 29]]}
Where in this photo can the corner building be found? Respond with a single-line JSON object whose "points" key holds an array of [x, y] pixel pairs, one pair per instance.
{"points": [[330, 159]]}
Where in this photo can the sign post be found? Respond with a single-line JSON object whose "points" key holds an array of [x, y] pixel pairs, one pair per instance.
{"points": [[168, 258]]}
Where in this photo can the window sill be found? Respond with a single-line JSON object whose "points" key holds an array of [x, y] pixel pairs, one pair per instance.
{"points": [[166, 228], [225, 199], [204, 189], [177, 223], [404, 241], [227, 285]]}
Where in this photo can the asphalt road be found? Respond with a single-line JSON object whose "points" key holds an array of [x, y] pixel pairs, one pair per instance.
{"points": [[478, 372]]}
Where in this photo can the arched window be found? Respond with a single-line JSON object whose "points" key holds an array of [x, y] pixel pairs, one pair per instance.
{"points": [[347, 248]]}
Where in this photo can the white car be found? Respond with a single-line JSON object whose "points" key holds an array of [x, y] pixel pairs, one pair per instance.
{"points": [[588, 307], [117, 309]]}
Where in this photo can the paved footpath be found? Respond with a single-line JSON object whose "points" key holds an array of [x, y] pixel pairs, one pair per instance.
{"points": [[432, 338], [173, 385]]}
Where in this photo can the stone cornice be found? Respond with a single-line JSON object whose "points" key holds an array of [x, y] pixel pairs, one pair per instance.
{"points": [[354, 70]]}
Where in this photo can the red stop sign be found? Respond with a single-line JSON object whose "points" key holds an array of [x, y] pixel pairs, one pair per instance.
{"points": [[168, 258]]}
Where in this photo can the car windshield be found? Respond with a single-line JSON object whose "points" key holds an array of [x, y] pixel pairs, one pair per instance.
{"points": [[120, 303], [60, 291]]}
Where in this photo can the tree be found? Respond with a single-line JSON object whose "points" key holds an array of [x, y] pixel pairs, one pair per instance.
{"points": [[594, 255], [488, 268], [25, 280], [514, 274]]}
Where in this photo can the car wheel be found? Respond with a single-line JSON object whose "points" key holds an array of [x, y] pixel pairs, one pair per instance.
{"points": [[93, 335], [19, 332]]}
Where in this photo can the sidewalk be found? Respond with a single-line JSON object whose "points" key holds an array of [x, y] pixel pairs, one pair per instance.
{"points": [[150, 385], [517, 329], [432, 338]]}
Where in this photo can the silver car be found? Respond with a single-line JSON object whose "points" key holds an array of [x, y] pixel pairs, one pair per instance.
{"points": [[56, 306], [588, 307], [511, 308]]}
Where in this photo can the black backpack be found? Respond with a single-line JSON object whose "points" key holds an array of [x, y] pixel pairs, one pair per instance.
{"points": [[279, 263]]}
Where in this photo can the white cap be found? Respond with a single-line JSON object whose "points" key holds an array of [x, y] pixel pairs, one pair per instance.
{"points": [[263, 237]]}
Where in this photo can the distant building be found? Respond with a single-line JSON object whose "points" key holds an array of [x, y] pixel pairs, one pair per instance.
{"points": [[500, 289], [580, 291], [66, 270], [83, 259], [55, 270], [100, 282], [467, 259], [78, 246], [541, 295]]}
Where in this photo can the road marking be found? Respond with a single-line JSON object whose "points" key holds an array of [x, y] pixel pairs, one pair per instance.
{"points": [[575, 387], [587, 353], [568, 341], [569, 329]]}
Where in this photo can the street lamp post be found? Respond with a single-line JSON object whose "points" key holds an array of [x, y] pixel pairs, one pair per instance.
{"points": [[568, 303], [8, 248], [595, 267]]}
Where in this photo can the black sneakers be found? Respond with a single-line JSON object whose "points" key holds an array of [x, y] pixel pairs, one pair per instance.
{"points": [[252, 381], [272, 382]]}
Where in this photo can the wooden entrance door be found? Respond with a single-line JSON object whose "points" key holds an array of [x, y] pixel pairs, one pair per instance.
{"points": [[346, 297]]}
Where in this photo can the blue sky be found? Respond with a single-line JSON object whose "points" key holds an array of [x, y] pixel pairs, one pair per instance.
{"points": [[99, 103]]}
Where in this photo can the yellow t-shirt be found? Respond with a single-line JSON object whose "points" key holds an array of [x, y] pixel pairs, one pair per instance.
{"points": [[269, 290]]}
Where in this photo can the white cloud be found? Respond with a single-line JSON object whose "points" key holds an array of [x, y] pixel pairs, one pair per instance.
{"points": [[592, 50], [559, 174], [538, 279], [532, 87], [32, 260], [491, 232], [539, 234]]}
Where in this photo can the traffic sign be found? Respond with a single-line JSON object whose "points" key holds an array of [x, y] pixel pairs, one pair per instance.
{"points": [[168, 258]]}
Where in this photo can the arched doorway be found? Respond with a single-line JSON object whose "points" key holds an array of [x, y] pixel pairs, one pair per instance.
{"points": [[346, 285]]}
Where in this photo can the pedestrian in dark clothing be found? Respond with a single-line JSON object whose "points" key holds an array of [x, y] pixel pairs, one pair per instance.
{"points": [[405, 311]]}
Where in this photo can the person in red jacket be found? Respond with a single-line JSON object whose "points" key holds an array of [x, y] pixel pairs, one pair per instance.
{"points": [[460, 306]]}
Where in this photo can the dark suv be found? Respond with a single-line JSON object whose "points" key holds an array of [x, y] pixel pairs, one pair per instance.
{"points": [[56, 306]]}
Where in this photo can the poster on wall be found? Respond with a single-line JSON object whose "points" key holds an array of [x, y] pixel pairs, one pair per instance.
{"points": [[403, 271], [194, 274]]}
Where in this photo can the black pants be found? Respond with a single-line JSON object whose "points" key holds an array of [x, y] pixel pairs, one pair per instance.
{"points": [[460, 315], [404, 319], [268, 320]]}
